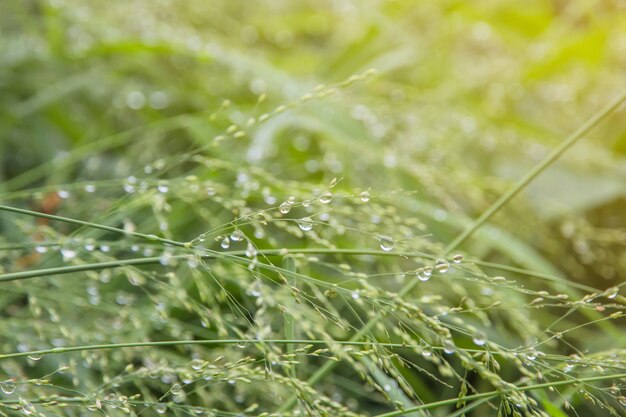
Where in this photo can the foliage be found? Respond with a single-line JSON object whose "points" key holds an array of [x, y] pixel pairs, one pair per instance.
{"points": [[331, 208]]}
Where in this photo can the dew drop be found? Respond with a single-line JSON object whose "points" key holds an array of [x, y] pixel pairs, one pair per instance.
{"points": [[34, 357], [251, 250], [63, 194], [326, 197], [197, 364], [160, 408], [237, 236], [306, 203], [442, 266], [355, 295], [8, 386], [176, 389], [365, 196], [449, 347], [427, 352], [291, 199], [163, 187], [386, 243], [611, 293], [284, 208], [479, 338], [41, 249], [242, 345], [457, 258], [531, 354], [424, 274], [305, 224], [68, 253], [225, 244], [90, 188]]}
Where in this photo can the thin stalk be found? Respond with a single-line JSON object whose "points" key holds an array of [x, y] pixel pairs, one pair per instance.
{"points": [[534, 172], [322, 372], [495, 393], [292, 342], [152, 238]]}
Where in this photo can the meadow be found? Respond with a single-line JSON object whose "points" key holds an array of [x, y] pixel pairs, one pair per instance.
{"points": [[313, 208]]}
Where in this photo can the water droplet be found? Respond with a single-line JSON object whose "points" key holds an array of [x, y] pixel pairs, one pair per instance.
{"points": [[90, 245], [365, 196], [68, 253], [34, 357], [90, 188], [284, 208], [457, 258], [442, 266], [192, 261], [291, 199], [326, 197], [386, 243], [531, 354], [305, 224], [355, 295], [197, 364], [479, 338], [242, 345], [424, 274], [163, 187], [251, 251], [449, 347], [225, 244], [8, 386], [427, 352], [41, 249], [612, 292], [160, 408], [63, 194], [306, 203], [237, 236], [176, 389]]}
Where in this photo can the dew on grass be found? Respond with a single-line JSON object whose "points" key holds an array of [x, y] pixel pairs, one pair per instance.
{"points": [[251, 250], [305, 224], [326, 197], [196, 364], [457, 258], [424, 274], [448, 346], [176, 389], [160, 408], [386, 243], [163, 187], [41, 249], [365, 196], [225, 244], [284, 207], [306, 203], [442, 266], [237, 236], [611, 293], [90, 188], [8, 386], [291, 199], [63, 194], [68, 252], [90, 245], [34, 357], [479, 338]]}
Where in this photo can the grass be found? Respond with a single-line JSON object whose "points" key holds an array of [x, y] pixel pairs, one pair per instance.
{"points": [[329, 209]]}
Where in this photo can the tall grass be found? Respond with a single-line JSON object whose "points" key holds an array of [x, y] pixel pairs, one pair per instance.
{"points": [[326, 209]]}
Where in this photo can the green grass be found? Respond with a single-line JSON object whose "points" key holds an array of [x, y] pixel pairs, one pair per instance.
{"points": [[305, 208]]}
